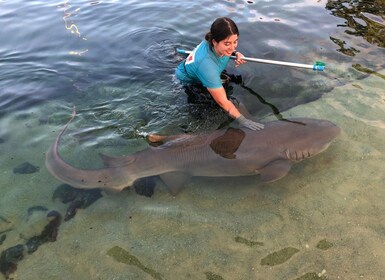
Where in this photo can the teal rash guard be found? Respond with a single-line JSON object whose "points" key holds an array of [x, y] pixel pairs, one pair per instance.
{"points": [[203, 66]]}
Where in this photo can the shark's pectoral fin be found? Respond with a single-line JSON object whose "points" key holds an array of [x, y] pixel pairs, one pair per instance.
{"points": [[275, 170], [175, 181], [227, 144]]}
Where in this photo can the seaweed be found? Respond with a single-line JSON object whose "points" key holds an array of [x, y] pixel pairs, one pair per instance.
{"points": [[212, 276], [123, 256], [247, 242], [324, 244], [365, 70], [279, 257]]}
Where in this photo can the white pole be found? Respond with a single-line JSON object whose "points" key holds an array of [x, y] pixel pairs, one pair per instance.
{"points": [[315, 67]]}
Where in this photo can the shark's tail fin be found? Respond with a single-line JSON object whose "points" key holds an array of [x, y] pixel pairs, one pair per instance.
{"points": [[66, 125]]}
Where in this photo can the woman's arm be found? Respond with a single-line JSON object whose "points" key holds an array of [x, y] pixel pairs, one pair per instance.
{"points": [[219, 95]]}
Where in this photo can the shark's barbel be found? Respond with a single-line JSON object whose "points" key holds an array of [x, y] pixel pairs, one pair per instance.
{"points": [[233, 152]]}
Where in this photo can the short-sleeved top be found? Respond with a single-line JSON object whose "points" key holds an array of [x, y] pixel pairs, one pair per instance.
{"points": [[204, 66]]}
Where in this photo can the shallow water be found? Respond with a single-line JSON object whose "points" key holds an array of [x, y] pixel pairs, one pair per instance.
{"points": [[114, 61]]}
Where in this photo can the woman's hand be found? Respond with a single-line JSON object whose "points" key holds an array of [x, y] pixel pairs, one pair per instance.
{"points": [[249, 123], [239, 60]]}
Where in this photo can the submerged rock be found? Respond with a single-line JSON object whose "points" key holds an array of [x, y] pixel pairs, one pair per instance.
{"points": [[49, 233], [64, 193], [40, 227], [34, 224], [77, 198], [36, 209], [9, 259], [2, 238], [72, 209], [26, 168], [11, 256]]}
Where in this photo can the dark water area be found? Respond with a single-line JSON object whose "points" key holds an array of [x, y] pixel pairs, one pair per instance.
{"points": [[70, 50], [61, 50]]}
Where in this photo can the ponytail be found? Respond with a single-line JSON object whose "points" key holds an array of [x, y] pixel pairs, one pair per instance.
{"points": [[221, 29], [208, 37]]}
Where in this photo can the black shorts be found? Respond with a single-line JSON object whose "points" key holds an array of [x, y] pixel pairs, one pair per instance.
{"points": [[198, 94]]}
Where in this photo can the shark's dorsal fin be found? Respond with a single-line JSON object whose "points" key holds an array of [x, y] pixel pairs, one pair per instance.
{"points": [[275, 170], [161, 139], [181, 140], [110, 161], [175, 181]]}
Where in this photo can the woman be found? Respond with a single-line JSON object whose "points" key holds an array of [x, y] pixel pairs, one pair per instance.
{"points": [[207, 61]]}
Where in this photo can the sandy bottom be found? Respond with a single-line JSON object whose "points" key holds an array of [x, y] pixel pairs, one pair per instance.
{"points": [[325, 220]]}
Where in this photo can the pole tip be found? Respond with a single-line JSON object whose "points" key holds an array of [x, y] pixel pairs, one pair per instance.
{"points": [[319, 66]]}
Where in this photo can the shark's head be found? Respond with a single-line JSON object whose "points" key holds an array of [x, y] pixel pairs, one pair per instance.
{"points": [[310, 137]]}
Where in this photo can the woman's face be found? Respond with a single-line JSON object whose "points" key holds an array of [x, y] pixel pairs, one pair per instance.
{"points": [[227, 46]]}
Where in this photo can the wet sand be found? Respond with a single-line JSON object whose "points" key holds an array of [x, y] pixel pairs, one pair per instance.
{"points": [[323, 221]]}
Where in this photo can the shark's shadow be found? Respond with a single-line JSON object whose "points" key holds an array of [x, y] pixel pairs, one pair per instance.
{"points": [[273, 108]]}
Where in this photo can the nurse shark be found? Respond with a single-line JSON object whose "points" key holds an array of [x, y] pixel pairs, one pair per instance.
{"points": [[270, 152]]}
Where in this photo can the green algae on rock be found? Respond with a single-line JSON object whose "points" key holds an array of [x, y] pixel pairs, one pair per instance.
{"points": [[357, 86], [123, 256], [279, 257], [360, 68], [324, 244], [247, 242], [212, 276]]}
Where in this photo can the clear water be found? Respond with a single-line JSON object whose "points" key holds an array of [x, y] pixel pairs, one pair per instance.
{"points": [[114, 61]]}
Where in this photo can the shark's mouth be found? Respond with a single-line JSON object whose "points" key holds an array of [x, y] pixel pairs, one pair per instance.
{"points": [[297, 155]]}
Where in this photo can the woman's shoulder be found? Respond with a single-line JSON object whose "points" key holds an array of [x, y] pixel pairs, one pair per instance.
{"points": [[202, 50], [201, 57]]}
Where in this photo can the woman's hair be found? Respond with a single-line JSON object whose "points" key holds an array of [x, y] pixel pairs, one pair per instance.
{"points": [[221, 29]]}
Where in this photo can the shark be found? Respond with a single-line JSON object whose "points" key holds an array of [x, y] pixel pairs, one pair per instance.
{"points": [[270, 152]]}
